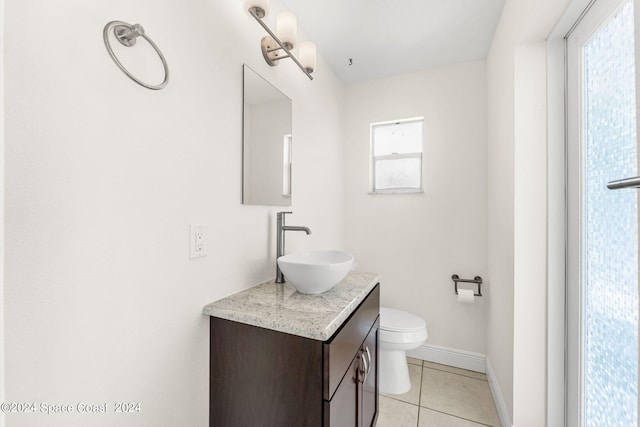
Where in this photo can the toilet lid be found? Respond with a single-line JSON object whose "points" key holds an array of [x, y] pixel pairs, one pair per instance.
{"points": [[400, 321]]}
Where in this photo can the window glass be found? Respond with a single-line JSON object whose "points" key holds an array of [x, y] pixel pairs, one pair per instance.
{"points": [[610, 226], [396, 156], [398, 173], [402, 137]]}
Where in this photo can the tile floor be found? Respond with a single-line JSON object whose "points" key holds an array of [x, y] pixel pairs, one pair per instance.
{"points": [[440, 396]]}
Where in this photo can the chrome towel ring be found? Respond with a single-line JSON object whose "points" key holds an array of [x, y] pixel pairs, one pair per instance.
{"points": [[127, 34]]}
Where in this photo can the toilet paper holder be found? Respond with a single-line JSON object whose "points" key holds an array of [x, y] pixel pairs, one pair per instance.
{"points": [[477, 280]]}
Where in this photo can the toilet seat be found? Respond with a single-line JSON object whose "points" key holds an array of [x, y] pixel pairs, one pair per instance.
{"points": [[400, 327], [393, 320]]}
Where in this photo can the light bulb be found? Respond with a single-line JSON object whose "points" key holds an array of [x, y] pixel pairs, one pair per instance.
{"points": [[287, 29], [307, 54]]}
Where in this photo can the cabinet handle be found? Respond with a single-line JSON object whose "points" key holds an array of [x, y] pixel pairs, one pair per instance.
{"points": [[363, 372], [369, 357]]}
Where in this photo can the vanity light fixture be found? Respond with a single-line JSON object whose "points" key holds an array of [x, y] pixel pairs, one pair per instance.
{"points": [[284, 39]]}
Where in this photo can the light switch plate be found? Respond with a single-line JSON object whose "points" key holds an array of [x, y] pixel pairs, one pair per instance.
{"points": [[198, 240]]}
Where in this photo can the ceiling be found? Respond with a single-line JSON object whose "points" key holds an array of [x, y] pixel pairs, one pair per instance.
{"points": [[387, 37]]}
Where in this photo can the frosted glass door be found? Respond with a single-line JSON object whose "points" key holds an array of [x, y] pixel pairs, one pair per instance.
{"points": [[603, 224]]}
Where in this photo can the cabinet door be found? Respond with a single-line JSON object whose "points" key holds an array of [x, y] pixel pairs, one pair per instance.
{"points": [[340, 350], [369, 389], [342, 410]]}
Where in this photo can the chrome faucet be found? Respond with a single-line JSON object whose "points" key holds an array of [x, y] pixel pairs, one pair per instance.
{"points": [[280, 242]]}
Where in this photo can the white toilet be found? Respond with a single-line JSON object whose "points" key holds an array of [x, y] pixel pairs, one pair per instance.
{"points": [[399, 331]]}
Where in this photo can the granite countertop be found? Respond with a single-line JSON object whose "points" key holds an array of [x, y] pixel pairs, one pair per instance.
{"points": [[278, 306]]}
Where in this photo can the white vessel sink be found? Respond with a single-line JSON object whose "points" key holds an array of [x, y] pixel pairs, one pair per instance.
{"points": [[315, 272]]}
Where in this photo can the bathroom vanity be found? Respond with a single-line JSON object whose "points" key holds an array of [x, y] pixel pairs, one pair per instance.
{"points": [[280, 358]]}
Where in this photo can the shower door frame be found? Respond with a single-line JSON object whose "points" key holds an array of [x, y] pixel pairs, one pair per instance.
{"points": [[596, 14]]}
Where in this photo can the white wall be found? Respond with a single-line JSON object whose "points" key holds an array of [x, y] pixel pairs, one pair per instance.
{"points": [[530, 240], [103, 177], [518, 195], [500, 212], [417, 241], [2, 246]]}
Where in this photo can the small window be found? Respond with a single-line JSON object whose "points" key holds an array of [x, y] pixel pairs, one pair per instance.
{"points": [[396, 156]]}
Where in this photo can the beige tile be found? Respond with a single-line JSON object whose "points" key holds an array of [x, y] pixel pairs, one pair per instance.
{"points": [[413, 395], [429, 418], [414, 361], [394, 413], [472, 374], [458, 395]]}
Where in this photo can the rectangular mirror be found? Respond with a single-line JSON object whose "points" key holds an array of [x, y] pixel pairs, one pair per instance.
{"points": [[266, 143]]}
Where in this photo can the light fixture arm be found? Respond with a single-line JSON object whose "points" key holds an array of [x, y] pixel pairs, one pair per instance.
{"points": [[275, 49], [253, 13]]}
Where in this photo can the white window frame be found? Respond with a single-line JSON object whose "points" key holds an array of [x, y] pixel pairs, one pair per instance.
{"points": [[395, 156], [286, 166]]}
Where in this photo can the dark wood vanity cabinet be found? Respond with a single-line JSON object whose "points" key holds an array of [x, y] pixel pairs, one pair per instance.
{"points": [[355, 401], [368, 398], [265, 378]]}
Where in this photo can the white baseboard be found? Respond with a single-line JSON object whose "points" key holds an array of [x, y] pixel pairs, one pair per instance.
{"points": [[466, 360], [450, 357], [501, 406]]}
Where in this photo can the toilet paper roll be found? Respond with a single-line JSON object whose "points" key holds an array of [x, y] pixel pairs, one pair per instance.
{"points": [[466, 296]]}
